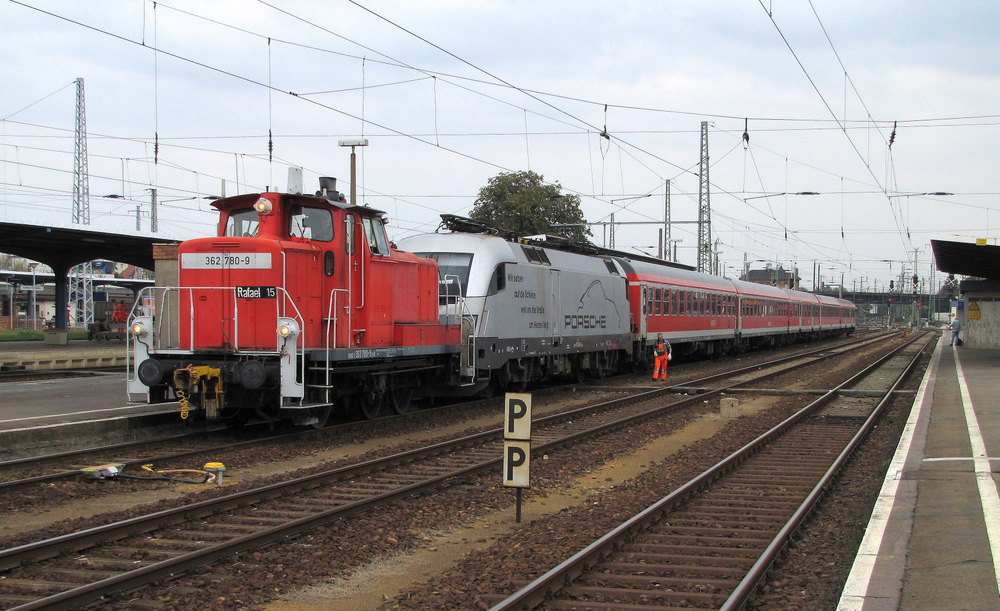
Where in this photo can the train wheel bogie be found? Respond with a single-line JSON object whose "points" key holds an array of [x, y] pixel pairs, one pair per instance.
{"points": [[400, 400], [367, 408]]}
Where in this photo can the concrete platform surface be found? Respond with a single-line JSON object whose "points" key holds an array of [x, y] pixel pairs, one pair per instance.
{"points": [[933, 541]]}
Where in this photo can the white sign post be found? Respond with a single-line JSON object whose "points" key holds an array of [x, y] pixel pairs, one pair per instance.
{"points": [[517, 444]]}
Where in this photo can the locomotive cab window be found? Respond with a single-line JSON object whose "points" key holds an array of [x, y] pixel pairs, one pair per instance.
{"points": [[349, 230], [242, 223], [375, 236], [453, 268], [498, 281], [310, 223]]}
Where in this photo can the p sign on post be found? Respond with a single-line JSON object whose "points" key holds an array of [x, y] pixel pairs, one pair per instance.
{"points": [[517, 443]]}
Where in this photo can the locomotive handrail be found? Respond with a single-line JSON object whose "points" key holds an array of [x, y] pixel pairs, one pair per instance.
{"points": [[163, 317], [163, 331], [460, 309], [333, 318]]}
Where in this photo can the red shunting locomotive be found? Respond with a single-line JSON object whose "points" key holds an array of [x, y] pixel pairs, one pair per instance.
{"points": [[298, 307]]}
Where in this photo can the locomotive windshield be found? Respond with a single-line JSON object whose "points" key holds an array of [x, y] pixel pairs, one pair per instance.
{"points": [[453, 267], [375, 235], [311, 223], [242, 223]]}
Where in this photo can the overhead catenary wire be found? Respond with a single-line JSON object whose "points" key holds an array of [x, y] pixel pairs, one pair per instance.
{"points": [[436, 136], [833, 114]]}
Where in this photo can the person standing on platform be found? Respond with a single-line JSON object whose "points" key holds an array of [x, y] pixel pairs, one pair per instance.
{"points": [[663, 353], [956, 327]]}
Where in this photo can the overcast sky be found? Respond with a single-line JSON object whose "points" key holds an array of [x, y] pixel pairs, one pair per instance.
{"points": [[450, 93]]}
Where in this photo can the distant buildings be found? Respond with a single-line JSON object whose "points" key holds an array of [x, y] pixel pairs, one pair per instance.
{"points": [[772, 276]]}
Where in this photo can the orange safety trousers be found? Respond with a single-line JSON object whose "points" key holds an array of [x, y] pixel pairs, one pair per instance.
{"points": [[660, 367]]}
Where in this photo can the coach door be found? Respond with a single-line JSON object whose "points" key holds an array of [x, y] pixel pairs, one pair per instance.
{"points": [[643, 305]]}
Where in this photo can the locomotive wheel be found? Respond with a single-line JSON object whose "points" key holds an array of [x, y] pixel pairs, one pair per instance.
{"points": [[401, 400], [323, 414], [368, 406]]}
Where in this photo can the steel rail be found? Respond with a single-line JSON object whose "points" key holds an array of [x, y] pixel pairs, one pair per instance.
{"points": [[546, 585], [35, 461], [41, 550], [748, 585]]}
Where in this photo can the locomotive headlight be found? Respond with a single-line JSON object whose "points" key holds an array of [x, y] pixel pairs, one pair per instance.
{"points": [[287, 327], [263, 206], [139, 329]]}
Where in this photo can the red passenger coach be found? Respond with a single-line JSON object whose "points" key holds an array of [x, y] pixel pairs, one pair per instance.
{"points": [[764, 315], [710, 315], [300, 305], [696, 311]]}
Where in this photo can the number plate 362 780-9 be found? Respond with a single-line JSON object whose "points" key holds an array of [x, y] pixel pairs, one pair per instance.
{"points": [[225, 260]]}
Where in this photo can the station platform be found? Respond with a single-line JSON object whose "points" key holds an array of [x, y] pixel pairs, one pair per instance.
{"points": [[76, 353], [933, 540], [42, 415]]}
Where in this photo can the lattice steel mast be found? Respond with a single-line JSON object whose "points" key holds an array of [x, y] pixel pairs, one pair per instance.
{"points": [[704, 208], [81, 288], [81, 174]]}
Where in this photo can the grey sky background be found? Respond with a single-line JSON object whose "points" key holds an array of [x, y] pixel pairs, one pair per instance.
{"points": [[182, 97]]}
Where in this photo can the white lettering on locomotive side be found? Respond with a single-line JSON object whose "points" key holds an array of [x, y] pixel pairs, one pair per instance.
{"points": [[256, 292], [225, 260], [585, 321]]}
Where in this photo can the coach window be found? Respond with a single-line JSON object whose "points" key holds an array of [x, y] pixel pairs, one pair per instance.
{"points": [[242, 223], [657, 300]]}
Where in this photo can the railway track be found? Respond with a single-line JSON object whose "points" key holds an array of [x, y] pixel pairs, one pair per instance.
{"points": [[24, 473], [711, 542], [78, 568]]}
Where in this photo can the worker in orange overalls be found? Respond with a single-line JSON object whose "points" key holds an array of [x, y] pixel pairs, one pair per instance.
{"points": [[120, 314], [663, 352]]}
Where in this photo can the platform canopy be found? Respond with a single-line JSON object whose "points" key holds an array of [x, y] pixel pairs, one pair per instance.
{"points": [[61, 247], [966, 259]]}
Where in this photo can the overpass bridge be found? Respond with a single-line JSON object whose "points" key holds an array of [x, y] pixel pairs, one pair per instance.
{"points": [[881, 302]]}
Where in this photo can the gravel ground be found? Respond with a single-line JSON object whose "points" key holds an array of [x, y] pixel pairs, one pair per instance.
{"points": [[452, 547]]}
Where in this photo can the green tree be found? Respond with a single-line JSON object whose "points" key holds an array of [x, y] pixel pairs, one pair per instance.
{"points": [[522, 203]]}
